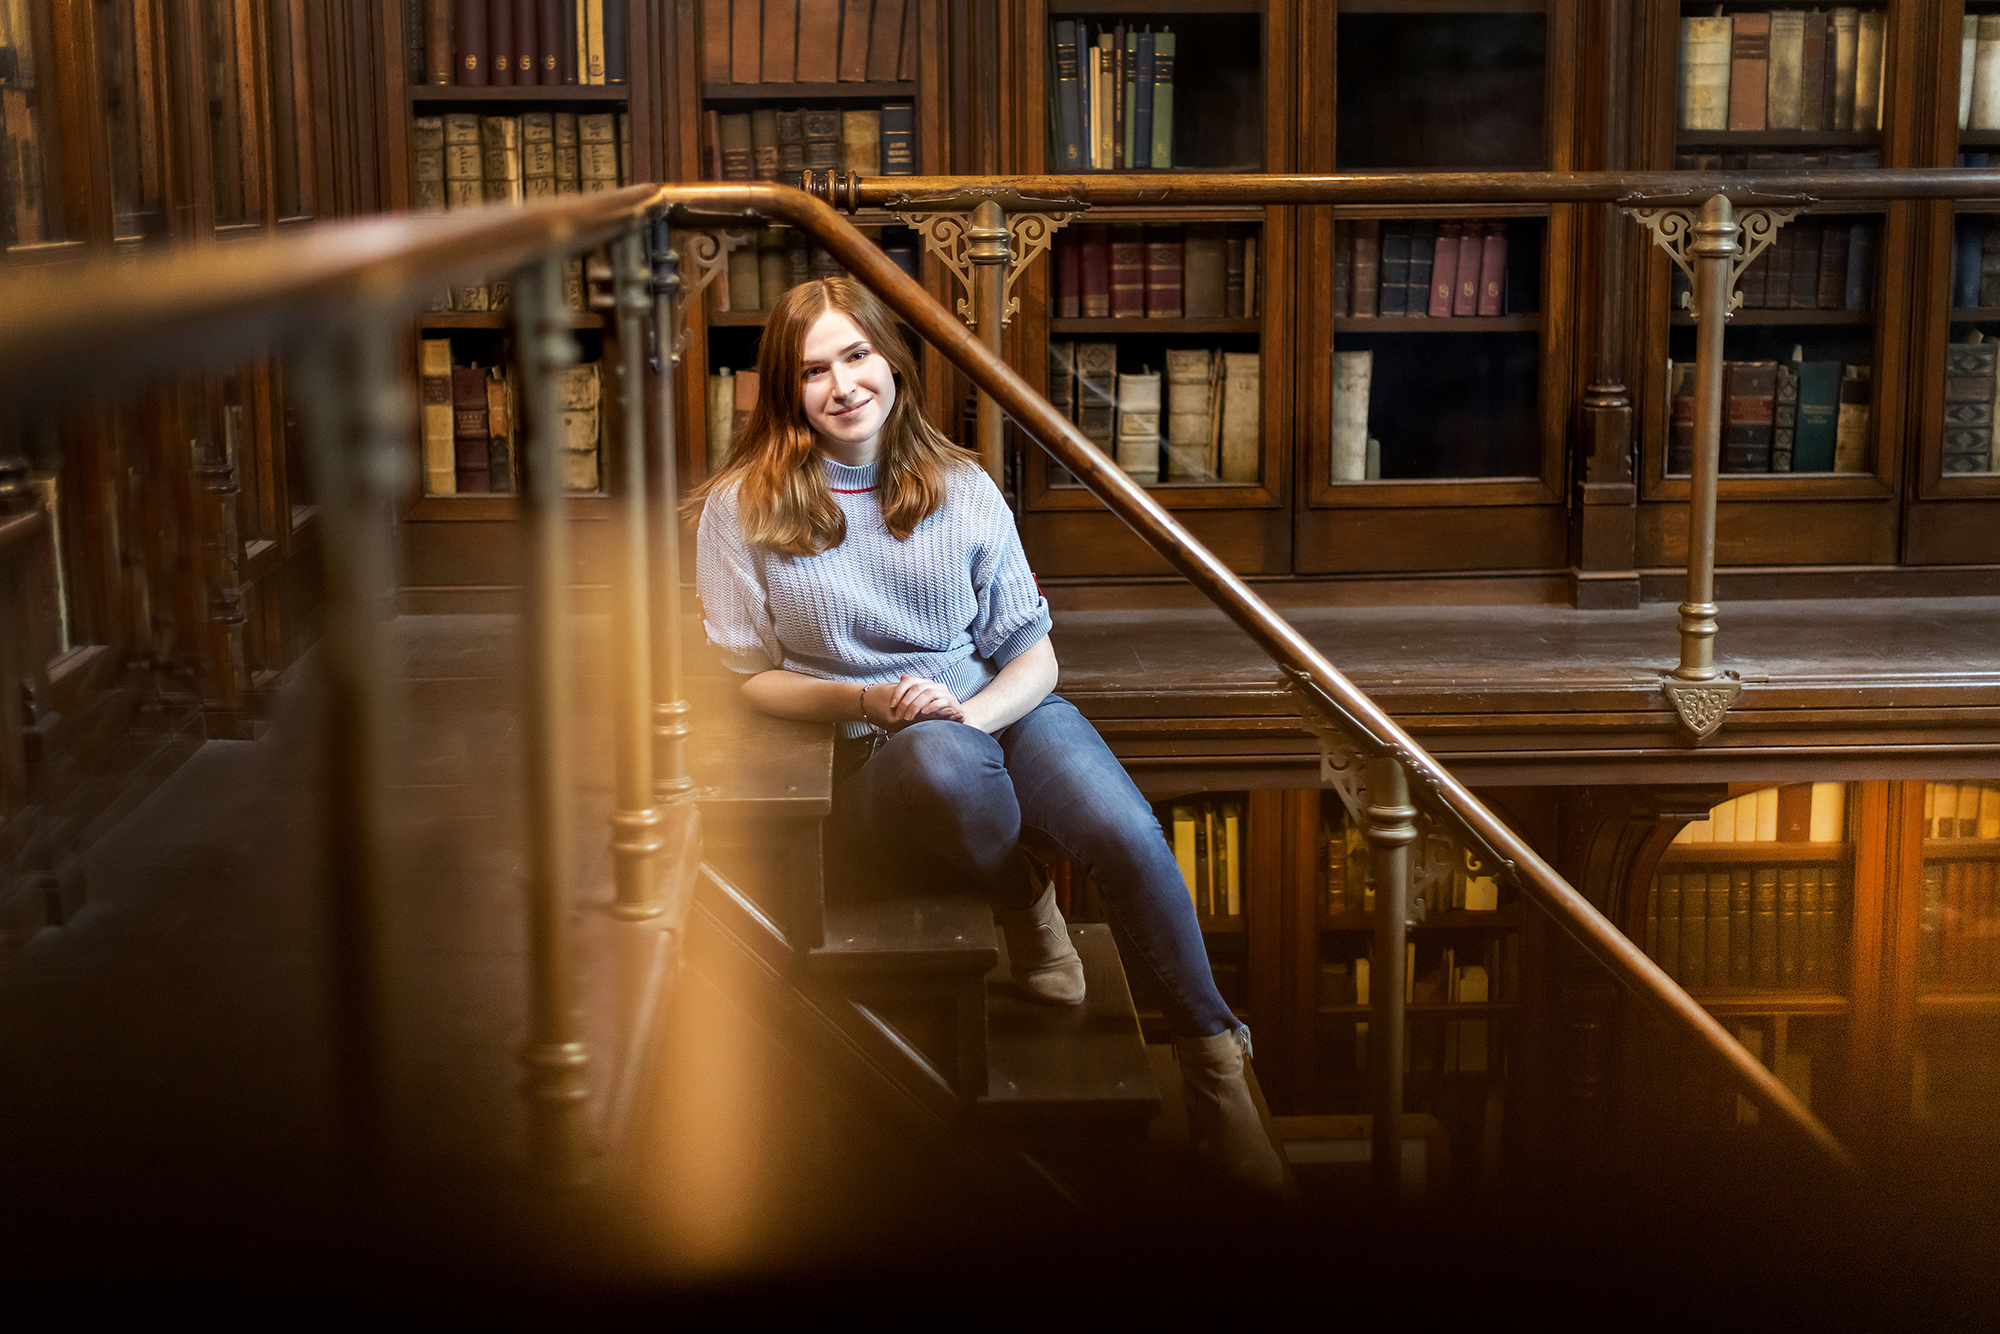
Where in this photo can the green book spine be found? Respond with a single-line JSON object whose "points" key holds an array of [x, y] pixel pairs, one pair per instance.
{"points": [[1819, 416], [1694, 931], [1764, 927], [1832, 908], [1739, 926], [1718, 929], [1131, 93], [1788, 927], [1163, 99], [1809, 925], [1667, 893]]}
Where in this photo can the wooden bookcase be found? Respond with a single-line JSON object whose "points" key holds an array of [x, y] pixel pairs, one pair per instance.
{"points": [[1946, 516], [1776, 519], [1232, 54], [1472, 412]]}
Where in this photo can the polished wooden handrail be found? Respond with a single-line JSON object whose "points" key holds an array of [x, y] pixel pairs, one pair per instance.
{"points": [[90, 329]]}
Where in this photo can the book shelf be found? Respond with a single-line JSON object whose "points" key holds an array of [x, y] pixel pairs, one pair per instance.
{"points": [[766, 100], [1463, 1000], [1943, 517], [1435, 441], [1821, 329], [1955, 1057], [1185, 309]]}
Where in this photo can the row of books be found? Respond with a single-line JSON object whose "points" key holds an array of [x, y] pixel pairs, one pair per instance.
{"points": [[1789, 416], [471, 418], [1975, 261], [1962, 810], [463, 160], [1208, 843], [1971, 399], [1436, 971], [770, 144], [21, 198], [1748, 926], [1346, 863], [1786, 69], [812, 41], [1808, 266], [778, 259], [1111, 100], [1164, 270], [1213, 409], [1958, 924], [1789, 813], [509, 43], [731, 396], [1434, 270]]}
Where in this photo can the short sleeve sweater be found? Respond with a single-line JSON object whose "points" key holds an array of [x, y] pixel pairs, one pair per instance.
{"points": [[954, 602]]}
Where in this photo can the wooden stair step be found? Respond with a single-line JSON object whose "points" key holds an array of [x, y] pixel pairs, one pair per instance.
{"points": [[1057, 1066], [928, 934]]}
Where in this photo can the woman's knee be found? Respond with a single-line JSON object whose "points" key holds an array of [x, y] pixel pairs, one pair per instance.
{"points": [[943, 758]]}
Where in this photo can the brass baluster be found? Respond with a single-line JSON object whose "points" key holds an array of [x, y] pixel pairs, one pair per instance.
{"points": [[1389, 822], [635, 824], [989, 249], [671, 783], [556, 1060], [357, 413]]}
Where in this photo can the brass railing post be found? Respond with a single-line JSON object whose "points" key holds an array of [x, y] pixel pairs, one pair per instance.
{"points": [[635, 824], [357, 416], [989, 248], [1390, 826], [1713, 252], [671, 782], [555, 1058]]}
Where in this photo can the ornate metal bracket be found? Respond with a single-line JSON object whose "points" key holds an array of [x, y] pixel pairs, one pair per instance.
{"points": [[1673, 232], [708, 259], [945, 236], [1700, 705]]}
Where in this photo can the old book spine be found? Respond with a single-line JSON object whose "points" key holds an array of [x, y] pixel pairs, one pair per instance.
{"points": [[739, 159], [1812, 72], [1989, 265], [427, 194], [440, 450], [1968, 50], [764, 143], [1352, 374], [1860, 266], [501, 36], [1784, 419], [527, 42], [469, 430], [1367, 265], [1423, 258], [1706, 46], [538, 155], [854, 16], [1069, 278], [1968, 407], [597, 149], [1493, 268], [1141, 156], [822, 131], [1680, 419], [1784, 86], [438, 53], [899, 139], [1139, 425], [819, 41], [1203, 271], [1667, 897], [1163, 271], [473, 53], [861, 142], [780, 60], [791, 146], [715, 35], [1163, 99], [1242, 416], [1751, 389], [1738, 879], [1343, 269], [500, 142], [1694, 932], [1190, 387], [885, 40], [1096, 388], [1846, 32], [1788, 927], [1983, 97], [1832, 285], [1094, 262], [1805, 266], [1394, 295], [569, 154], [1749, 70], [1465, 297], [1125, 46], [1128, 272], [1444, 269], [1764, 927], [1232, 273], [1067, 116], [1868, 53], [746, 41], [500, 434], [1850, 443]]}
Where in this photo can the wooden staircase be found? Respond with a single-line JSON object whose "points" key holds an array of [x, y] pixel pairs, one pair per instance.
{"points": [[909, 994]]}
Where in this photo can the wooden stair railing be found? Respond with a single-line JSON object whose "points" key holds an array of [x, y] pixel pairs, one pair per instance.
{"points": [[334, 297]]}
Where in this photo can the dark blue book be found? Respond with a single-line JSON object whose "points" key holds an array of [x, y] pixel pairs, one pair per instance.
{"points": [[1861, 265], [1965, 244], [1395, 269], [1142, 110], [899, 139], [1069, 100]]}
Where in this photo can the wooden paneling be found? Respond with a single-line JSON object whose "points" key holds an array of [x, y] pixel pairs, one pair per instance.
{"points": [[1776, 533], [1444, 538], [1075, 542]]}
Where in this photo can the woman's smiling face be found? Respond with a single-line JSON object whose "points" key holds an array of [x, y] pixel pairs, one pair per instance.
{"points": [[848, 389]]}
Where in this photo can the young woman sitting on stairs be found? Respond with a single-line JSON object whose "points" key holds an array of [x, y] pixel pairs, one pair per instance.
{"points": [[858, 568]]}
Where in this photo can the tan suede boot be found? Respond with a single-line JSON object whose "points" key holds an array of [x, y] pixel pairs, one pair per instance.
{"points": [[1222, 1116], [1044, 961]]}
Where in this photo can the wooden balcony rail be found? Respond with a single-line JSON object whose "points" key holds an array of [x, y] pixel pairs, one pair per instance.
{"points": [[90, 330]]}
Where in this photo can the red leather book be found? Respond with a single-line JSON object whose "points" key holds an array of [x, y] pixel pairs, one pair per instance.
{"points": [[1465, 301], [1492, 268], [470, 45], [500, 36], [470, 433], [527, 41], [1444, 269], [1128, 272], [1367, 265], [1749, 70], [1069, 279], [1094, 259], [548, 41], [1163, 272]]}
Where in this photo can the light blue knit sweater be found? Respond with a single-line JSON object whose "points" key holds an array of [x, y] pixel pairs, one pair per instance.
{"points": [[954, 602]]}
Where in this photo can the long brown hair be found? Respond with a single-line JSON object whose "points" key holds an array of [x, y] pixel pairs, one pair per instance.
{"points": [[782, 498]]}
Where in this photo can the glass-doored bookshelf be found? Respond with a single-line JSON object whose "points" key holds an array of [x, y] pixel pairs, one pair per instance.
{"points": [[1816, 362], [1437, 386], [1955, 1060], [33, 224], [1958, 322], [770, 92], [1752, 911], [1161, 331], [518, 136]]}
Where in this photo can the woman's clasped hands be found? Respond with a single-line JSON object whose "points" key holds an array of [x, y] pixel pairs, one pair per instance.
{"points": [[910, 699]]}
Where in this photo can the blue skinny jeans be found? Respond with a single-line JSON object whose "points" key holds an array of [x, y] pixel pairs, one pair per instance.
{"points": [[940, 800]]}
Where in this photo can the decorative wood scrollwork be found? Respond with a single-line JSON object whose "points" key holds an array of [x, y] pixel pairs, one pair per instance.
{"points": [[1674, 232], [944, 234], [707, 259]]}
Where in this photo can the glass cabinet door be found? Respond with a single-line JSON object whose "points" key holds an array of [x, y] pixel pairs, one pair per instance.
{"points": [[31, 131]]}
